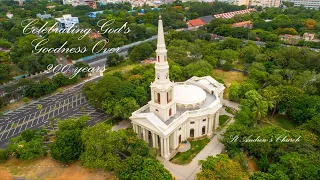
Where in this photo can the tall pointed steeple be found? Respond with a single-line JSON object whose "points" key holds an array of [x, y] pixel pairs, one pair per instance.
{"points": [[161, 67], [162, 101], [160, 44]]}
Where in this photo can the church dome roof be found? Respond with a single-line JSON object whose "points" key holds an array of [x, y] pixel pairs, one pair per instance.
{"points": [[189, 96]]}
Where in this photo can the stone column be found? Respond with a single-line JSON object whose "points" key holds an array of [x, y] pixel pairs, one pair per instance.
{"points": [[174, 138], [134, 128], [153, 140], [162, 148], [156, 140], [216, 121], [143, 134], [167, 146], [146, 135], [209, 129]]}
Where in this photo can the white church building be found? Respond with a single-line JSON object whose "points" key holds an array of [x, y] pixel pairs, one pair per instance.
{"points": [[177, 111]]}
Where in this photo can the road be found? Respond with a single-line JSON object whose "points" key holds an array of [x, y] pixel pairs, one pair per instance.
{"points": [[70, 103], [98, 60]]}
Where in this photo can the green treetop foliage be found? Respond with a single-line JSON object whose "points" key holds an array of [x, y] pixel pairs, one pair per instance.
{"points": [[137, 167], [221, 167]]}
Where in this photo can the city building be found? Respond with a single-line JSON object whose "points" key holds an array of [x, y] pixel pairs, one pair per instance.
{"points": [[290, 39], [195, 23], [313, 4], [44, 16], [9, 15], [231, 14], [244, 24], [91, 3], [73, 2], [308, 36], [67, 21], [177, 111], [263, 3], [207, 19], [94, 14]]}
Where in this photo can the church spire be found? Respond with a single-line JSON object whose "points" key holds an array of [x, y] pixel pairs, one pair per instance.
{"points": [[160, 44]]}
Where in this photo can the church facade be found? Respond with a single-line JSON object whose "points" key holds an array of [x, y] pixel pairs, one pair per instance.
{"points": [[177, 111]]}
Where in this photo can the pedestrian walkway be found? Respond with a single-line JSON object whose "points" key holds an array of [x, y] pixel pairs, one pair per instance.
{"points": [[231, 104], [122, 125], [189, 171]]}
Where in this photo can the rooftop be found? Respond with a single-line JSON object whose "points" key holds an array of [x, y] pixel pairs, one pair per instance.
{"points": [[189, 95], [196, 22], [209, 99], [207, 19]]}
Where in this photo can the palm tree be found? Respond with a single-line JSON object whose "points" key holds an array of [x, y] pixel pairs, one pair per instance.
{"points": [[272, 97], [259, 111]]}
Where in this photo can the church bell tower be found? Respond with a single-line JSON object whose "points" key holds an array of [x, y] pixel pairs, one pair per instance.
{"points": [[162, 101]]}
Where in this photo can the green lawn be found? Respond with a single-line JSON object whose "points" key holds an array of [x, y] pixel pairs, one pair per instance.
{"points": [[229, 110], [125, 66], [284, 122], [186, 157], [223, 119]]}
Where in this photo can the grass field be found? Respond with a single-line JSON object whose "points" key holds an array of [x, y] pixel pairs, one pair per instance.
{"points": [[229, 110], [228, 77], [280, 121], [223, 119], [186, 157], [125, 66], [283, 122]]}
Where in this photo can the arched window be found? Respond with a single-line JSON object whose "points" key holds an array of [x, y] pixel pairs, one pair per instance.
{"points": [[165, 58], [203, 130], [192, 132], [179, 138], [158, 58], [170, 112]]}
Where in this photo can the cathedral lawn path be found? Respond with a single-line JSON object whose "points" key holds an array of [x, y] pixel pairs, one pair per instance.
{"points": [[214, 147]]}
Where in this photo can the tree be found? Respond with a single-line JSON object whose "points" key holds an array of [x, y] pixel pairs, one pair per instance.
{"points": [[30, 150], [39, 106], [4, 155], [125, 107], [312, 125], [279, 175], [67, 146], [114, 59], [221, 167], [272, 97], [229, 43], [99, 147], [257, 104], [234, 91], [137, 167], [298, 166], [310, 23], [258, 71], [198, 68], [83, 67], [250, 52], [4, 73], [141, 52]]}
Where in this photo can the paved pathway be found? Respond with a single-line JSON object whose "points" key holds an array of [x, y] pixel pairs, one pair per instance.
{"points": [[231, 104], [122, 125], [214, 147]]}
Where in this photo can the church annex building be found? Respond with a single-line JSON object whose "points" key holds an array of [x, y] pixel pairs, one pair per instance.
{"points": [[177, 111]]}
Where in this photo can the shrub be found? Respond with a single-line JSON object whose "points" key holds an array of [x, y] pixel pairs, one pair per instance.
{"points": [[4, 155]]}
